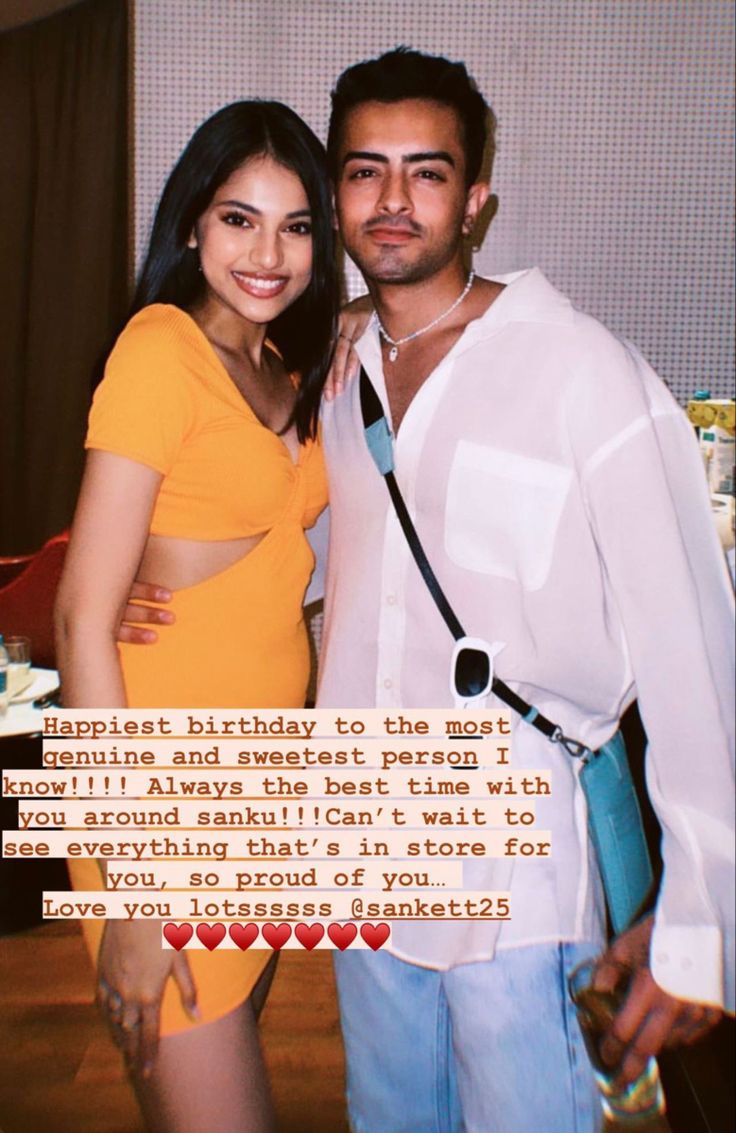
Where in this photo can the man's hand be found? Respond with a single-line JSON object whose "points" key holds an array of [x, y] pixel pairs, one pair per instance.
{"points": [[137, 634], [354, 318], [649, 1019]]}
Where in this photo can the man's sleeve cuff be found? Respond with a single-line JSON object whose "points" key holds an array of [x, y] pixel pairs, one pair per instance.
{"points": [[687, 962]]}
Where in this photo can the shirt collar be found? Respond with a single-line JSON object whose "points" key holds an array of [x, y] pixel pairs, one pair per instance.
{"points": [[528, 296]]}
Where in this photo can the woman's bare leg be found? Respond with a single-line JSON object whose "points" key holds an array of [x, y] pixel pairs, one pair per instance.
{"points": [[210, 1077], [263, 985]]}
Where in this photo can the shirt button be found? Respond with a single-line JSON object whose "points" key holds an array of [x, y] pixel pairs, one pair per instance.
{"points": [[391, 599], [663, 957], [388, 683]]}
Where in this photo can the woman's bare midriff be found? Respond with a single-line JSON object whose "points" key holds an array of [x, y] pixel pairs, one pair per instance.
{"points": [[176, 563]]}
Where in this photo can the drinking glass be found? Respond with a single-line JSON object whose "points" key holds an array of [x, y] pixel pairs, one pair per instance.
{"points": [[19, 664], [633, 1106]]}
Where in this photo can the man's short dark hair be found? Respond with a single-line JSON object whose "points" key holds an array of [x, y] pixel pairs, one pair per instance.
{"points": [[404, 73]]}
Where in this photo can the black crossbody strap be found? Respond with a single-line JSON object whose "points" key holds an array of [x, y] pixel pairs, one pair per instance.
{"points": [[379, 441], [421, 559]]}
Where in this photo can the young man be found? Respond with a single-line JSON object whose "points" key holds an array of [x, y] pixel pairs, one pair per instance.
{"points": [[559, 498]]}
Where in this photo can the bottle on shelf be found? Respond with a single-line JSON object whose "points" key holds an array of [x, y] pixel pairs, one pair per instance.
{"points": [[715, 422]]}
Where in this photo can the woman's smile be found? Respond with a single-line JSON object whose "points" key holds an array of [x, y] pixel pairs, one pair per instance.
{"points": [[260, 286]]}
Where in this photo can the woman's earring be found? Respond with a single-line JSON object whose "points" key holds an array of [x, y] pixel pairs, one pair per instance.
{"points": [[192, 246]]}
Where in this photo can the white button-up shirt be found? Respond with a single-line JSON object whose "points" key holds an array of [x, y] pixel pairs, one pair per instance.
{"points": [[559, 494]]}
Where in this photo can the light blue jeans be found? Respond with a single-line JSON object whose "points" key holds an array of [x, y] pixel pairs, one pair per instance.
{"points": [[490, 1047]]}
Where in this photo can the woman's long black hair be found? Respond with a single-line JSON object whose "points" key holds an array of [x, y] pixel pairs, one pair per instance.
{"points": [[304, 333]]}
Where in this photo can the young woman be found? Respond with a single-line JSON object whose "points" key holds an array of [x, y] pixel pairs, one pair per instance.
{"points": [[202, 473]]}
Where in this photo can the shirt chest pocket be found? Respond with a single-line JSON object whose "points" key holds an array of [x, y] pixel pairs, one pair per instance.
{"points": [[502, 513]]}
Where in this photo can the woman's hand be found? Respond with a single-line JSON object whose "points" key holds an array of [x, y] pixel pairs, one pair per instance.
{"points": [[132, 972], [354, 318]]}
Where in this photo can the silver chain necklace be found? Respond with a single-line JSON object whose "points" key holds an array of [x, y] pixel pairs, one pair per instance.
{"points": [[397, 342]]}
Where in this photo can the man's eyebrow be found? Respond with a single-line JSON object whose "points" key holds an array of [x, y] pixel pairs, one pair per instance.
{"points": [[431, 155], [257, 212], [426, 155], [364, 155]]}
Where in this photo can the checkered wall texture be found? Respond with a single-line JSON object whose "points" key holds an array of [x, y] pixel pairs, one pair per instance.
{"points": [[614, 143]]}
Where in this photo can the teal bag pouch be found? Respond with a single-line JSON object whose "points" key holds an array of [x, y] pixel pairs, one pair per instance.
{"points": [[616, 830]]}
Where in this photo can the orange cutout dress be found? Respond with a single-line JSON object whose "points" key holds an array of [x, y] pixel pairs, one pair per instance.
{"points": [[239, 640]]}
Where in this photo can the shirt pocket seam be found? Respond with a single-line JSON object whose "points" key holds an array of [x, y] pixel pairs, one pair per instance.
{"points": [[502, 513]]}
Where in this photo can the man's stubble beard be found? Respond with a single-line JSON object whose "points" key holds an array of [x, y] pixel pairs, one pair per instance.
{"points": [[389, 265]]}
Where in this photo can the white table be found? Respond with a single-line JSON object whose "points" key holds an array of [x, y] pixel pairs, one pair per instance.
{"points": [[22, 719]]}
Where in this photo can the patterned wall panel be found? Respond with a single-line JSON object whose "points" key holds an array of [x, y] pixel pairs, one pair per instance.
{"points": [[614, 144]]}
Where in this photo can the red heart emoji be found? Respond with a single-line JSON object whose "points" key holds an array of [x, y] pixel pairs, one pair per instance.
{"points": [[178, 934], [276, 935], [375, 934], [309, 935], [342, 936], [243, 934], [211, 934]]}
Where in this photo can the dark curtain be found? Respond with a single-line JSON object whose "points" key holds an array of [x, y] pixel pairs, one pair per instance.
{"points": [[63, 251]]}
